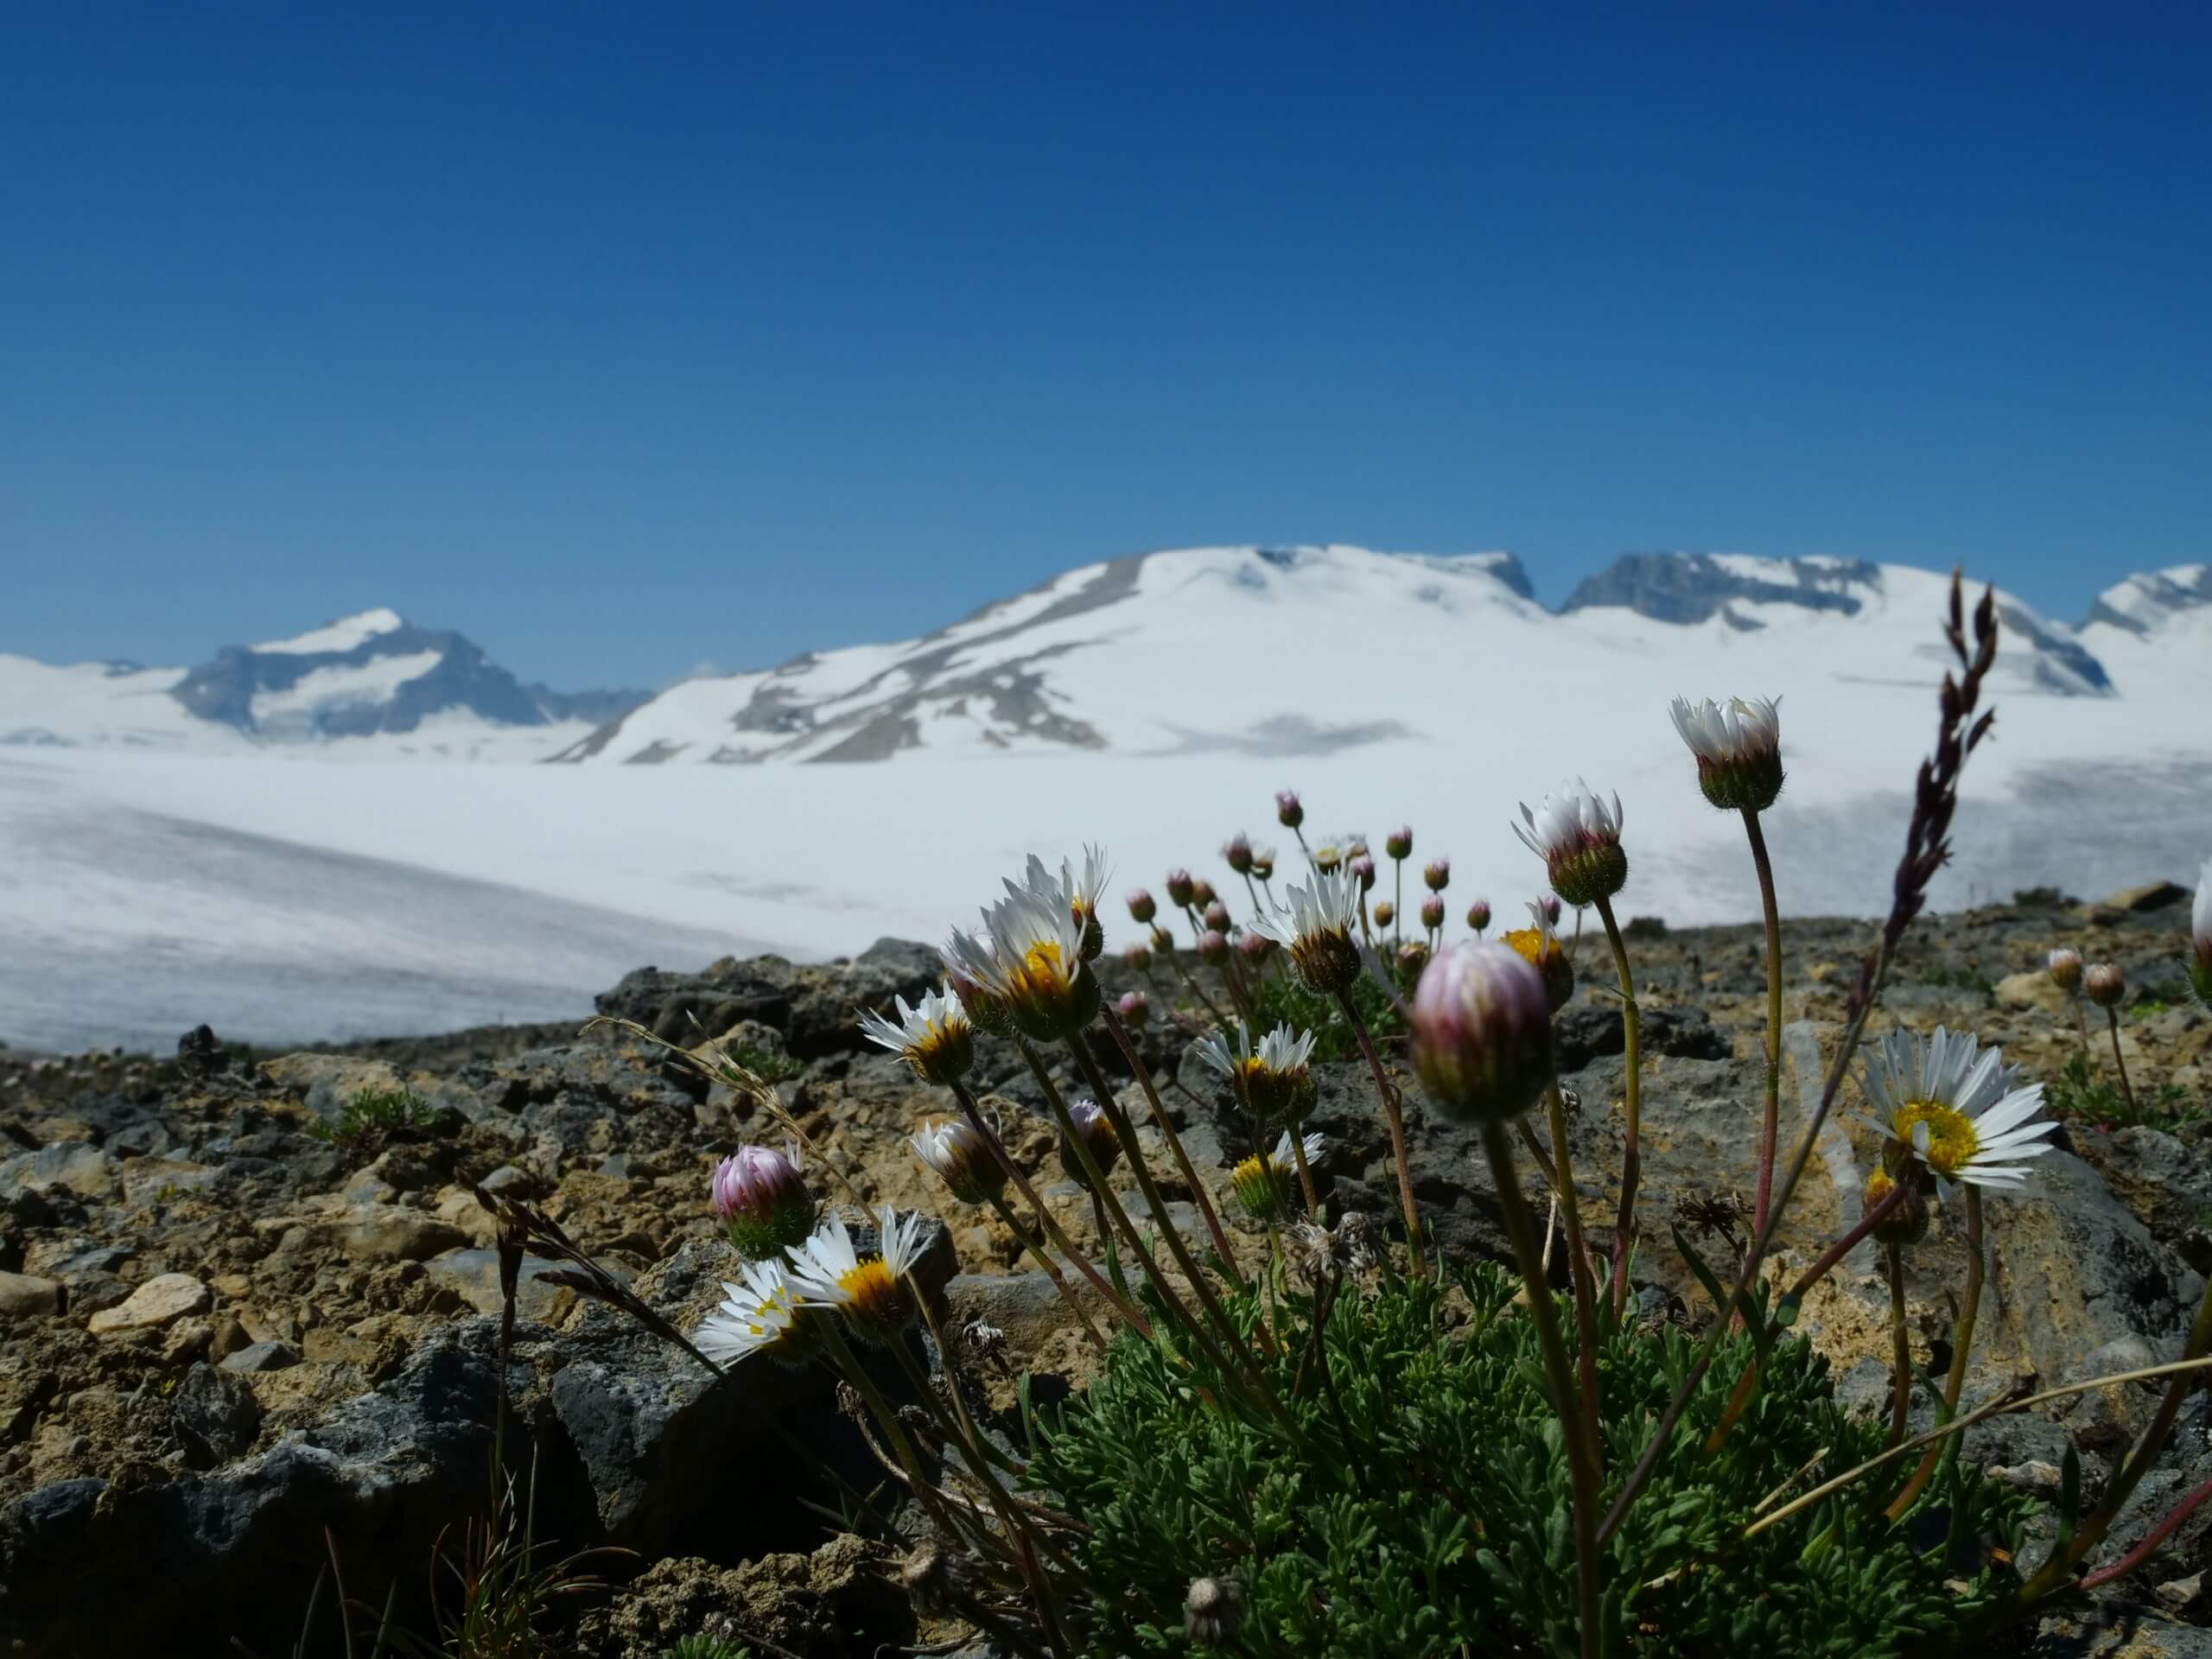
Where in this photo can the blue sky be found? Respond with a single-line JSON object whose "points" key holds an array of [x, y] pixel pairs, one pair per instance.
{"points": [[625, 339]]}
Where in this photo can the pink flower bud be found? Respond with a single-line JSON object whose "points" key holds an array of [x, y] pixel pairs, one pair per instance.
{"points": [[1482, 1032], [761, 1200]]}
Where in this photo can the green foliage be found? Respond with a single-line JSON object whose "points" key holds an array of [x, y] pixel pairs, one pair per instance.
{"points": [[2148, 1006], [1428, 1513], [2080, 1093], [1282, 999], [375, 1116], [769, 1068], [706, 1647]]}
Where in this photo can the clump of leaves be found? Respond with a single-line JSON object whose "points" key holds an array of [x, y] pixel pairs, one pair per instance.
{"points": [[1283, 999], [376, 1116], [769, 1068], [2080, 1093], [1427, 1514], [706, 1647]]}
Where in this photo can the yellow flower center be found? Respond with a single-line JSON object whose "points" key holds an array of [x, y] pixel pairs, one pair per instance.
{"points": [[869, 1289], [1878, 1187], [1951, 1137], [1529, 942], [1040, 974]]}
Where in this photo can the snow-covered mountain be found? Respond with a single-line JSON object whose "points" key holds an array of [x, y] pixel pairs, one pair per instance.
{"points": [[2154, 632], [1306, 650], [369, 685]]}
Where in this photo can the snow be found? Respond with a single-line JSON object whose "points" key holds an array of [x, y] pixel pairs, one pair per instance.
{"points": [[415, 893], [43, 704], [348, 633], [292, 712]]}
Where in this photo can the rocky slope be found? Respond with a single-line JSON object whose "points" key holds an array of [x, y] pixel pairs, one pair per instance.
{"points": [[225, 1327]]}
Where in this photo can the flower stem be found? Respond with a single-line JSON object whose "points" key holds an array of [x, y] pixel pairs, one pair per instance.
{"points": [[1130, 1314], [2151, 1539], [1305, 1174], [1044, 1258], [1542, 1311], [1632, 1109], [1825, 1263], [1578, 1262], [1961, 1343], [1768, 1124], [2126, 1090], [1418, 1258], [1900, 1347], [1199, 1194]]}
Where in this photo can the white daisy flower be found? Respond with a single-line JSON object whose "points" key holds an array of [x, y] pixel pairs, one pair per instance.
{"points": [[1955, 1108], [1316, 928], [1262, 1185], [962, 1159], [875, 1292], [1077, 896], [1738, 743], [1578, 838], [932, 1037], [1277, 1077], [762, 1316], [1028, 958]]}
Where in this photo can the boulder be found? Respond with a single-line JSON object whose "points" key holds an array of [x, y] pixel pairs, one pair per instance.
{"points": [[162, 1300], [215, 1416], [24, 1295]]}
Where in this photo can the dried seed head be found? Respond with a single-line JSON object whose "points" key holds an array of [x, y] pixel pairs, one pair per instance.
{"points": [[1213, 1611]]}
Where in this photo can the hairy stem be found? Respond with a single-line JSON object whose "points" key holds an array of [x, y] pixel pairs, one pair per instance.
{"points": [[1632, 1109], [1768, 1124], [1900, 1347], [1961, 1343], [1581, 1458], [1418, 1260], [1129, 1313], [2126, 1090], [1198, 1193]]}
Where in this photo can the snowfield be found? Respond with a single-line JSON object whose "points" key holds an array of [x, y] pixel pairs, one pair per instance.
{"points": [[281, 898]]}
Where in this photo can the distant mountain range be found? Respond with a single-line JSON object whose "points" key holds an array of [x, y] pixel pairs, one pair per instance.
{"points": [[370, 684], [1296, 650], [1251, 650]]}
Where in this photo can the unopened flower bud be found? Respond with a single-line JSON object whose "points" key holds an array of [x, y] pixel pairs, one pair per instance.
{"points": [[1907, 1222], [1255, 948], [1137, 955], [1399, 843], [1362, 871], [1437, 874], [1163, 942], [761, 1200], [1213, 947], [1142, 907], [1385, 911], [1213, 1612], [1479, 914], [1288, 812], [1096, 1132], [2066, 969], [1738, 743], [1238, 853], [1263, 863], [1482, 1032], [1413, 959], [1432, 912], [2106, 985], [1135, 1009], [1579, 837], [1180, 889], [962, 1159], [1215, 916], [1202, 893], [1550, 905]]}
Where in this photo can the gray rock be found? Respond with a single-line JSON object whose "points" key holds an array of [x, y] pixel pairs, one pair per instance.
{"points": [[474, 1274], [258, 1357], [75, 1167], [24, 1295], [215, 1416], [161, 1301], [386, 1232]]}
